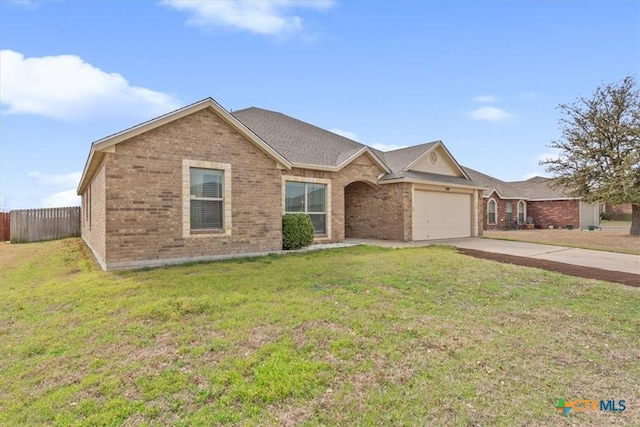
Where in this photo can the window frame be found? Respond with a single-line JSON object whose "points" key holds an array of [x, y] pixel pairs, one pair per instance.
{"points": [[225, 169], [194, 198], [508, 211], [327, 201], [495, 212], [522, 212], [86, 208]]}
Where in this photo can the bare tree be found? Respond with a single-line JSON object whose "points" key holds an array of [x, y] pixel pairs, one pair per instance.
{"points": [[599, 148]]}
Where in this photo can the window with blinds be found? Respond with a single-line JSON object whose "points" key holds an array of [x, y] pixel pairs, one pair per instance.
{"points": [[207, 202]]}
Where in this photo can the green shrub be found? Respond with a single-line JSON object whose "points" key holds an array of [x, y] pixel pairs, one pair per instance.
{"points": [[605, 216], [297, 231]]}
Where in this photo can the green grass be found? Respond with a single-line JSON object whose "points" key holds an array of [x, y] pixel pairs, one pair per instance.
{"points": [[362, 335]]}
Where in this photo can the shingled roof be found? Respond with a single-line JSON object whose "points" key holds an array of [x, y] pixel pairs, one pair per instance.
{"points": [[429, 176], [536, 188], [504, 189], [305, 144], [297, 141], [291, 143], [539, 188], [399, 159]]}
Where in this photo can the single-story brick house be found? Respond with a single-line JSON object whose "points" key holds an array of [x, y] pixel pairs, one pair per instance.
{"points": [[203, 183], [512, 204]]}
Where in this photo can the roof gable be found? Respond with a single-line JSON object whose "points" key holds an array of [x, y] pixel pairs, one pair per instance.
{"points": [[437, 160], [398, 160], [418, 158], [98, 148]]}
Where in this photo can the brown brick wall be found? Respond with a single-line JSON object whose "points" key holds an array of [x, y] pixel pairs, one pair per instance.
{"points": [[501, 212], [481, 211], [622, 209], [378, 212], [558, 213], [93, 218], [144, 192], [361, 169]]}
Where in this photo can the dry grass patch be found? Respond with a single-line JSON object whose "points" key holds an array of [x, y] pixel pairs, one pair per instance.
{"points": [[612, 240]]}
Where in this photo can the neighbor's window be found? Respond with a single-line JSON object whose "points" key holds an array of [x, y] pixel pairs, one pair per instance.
{"points": [[521, 211], [509, 211], [491, 211], [309, 198], [207, 203]]}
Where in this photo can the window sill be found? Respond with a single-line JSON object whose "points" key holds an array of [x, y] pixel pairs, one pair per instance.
{"points": [[209, 233]]}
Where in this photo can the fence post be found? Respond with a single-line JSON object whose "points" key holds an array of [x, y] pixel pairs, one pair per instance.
{"points": [[5, 226]]}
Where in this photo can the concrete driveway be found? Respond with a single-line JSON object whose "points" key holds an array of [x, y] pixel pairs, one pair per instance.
{"points": [[584, 257]]}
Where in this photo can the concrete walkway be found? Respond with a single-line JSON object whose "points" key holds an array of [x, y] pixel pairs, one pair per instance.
{"points": [[584, 257]]}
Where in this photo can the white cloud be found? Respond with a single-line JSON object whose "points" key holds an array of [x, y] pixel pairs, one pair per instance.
{"points": [[490, 114], [487, 99], [265, 17], [345, 133], [386, 147], [66, 87], [61, 199], [65, 179]]}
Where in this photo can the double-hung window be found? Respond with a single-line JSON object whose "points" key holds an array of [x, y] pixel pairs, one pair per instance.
{"points": [[509, 210], [521, 211], [206, 199], [309, 198], [491, 211]]}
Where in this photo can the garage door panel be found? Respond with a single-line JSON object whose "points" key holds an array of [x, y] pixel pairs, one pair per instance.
{"points": [[589, 215], [441, 215]]}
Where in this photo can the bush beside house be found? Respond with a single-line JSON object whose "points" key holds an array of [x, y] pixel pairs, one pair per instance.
{"points": [[297, 231]]}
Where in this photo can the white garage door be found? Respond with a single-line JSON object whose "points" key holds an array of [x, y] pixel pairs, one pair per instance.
{"points": [[441, 215], [589, 215]]}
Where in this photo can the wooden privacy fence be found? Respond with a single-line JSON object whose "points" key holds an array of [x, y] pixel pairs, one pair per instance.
{"points": [[4, 226], [34, 225]]}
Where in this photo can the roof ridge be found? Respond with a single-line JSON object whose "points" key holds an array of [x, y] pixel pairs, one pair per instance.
{"points": [[490, 177], [243, 109], [536, 178], [302, 142], [303, 122], [413, 146]]}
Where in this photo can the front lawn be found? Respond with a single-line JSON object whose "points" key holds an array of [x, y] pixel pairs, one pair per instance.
{"points": [[361, 335]]}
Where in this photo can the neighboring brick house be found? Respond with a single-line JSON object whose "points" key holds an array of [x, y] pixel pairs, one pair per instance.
{"points": [[201, 183], [621, 212], [516, 203]]}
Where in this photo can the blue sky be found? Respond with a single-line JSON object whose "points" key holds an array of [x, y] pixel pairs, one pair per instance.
{"points": [[483, 77]]}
